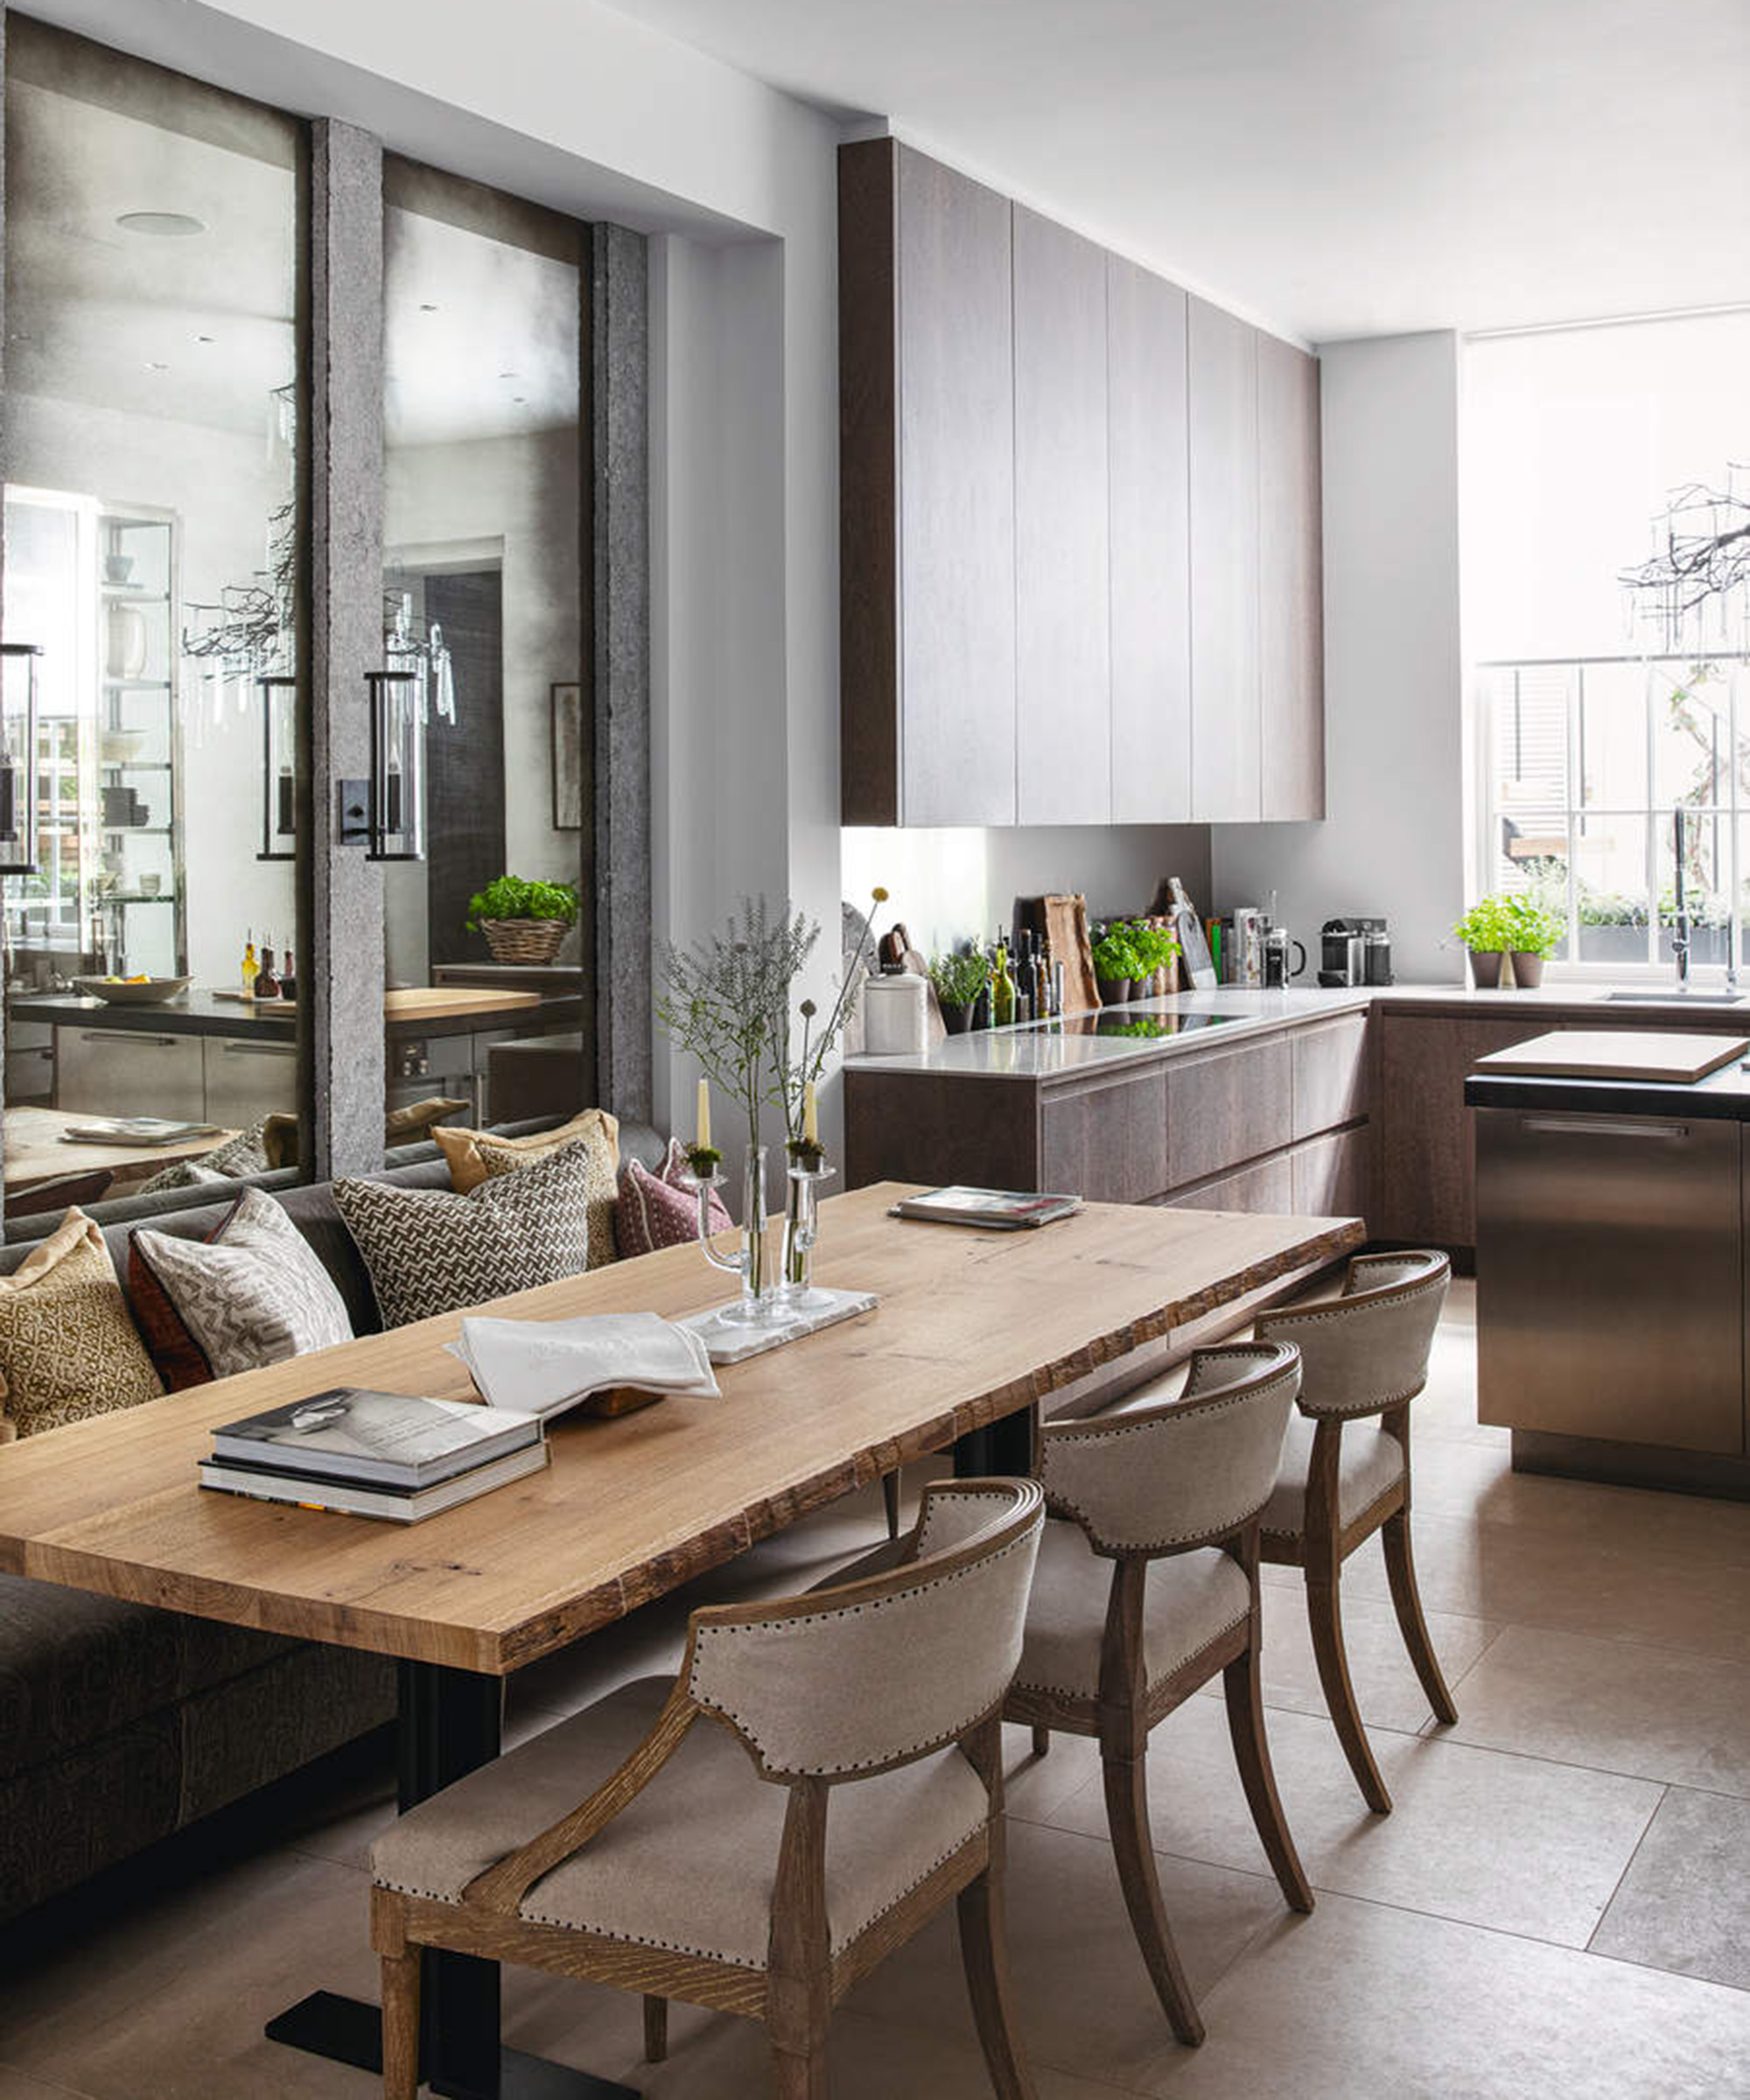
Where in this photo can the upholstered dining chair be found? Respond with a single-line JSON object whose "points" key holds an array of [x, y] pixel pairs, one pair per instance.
{"points": [[822, 1775], [1147, 1588], [1345, 1468]]}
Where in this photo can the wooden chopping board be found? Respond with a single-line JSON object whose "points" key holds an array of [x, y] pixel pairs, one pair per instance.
{"points": [[1616, 1054], [430, 1002]]}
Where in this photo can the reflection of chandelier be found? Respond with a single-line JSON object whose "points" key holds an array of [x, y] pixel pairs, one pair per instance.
{"points": [[418, 646]]}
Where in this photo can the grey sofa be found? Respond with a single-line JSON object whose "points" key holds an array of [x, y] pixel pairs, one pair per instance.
{"points": [[120, 1723]]}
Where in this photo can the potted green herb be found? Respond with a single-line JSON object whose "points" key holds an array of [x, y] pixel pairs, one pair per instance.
{"points": [[1487, 931], [522, 921], [1117, 964], [1534, 934], [958, 980], [1157, 950]]}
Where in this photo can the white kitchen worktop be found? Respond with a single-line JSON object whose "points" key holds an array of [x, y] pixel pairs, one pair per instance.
{"points": [[1204, 1020]]}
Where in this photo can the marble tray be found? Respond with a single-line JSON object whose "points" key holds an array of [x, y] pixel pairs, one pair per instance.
{"points": [[727, 1341]]}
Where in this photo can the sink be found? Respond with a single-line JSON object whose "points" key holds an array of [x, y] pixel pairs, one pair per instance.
{"points": [[1674, 999]]}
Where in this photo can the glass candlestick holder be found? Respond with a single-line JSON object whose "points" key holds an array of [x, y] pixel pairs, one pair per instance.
{"points": [[801, 1231], [760, 1302]]}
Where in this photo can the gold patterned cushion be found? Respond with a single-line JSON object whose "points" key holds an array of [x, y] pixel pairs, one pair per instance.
{"points": [[68, 1347], [477, 1156]]}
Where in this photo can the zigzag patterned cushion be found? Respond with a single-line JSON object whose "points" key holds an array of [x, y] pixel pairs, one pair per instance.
{"points": [[430, 1251], [254, 1294], [661, 1209]]}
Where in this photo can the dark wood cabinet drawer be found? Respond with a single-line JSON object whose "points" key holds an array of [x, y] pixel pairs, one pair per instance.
{"points": [[1234, 1105], [1266, 1186], [1331, 1175], [1107, 1143], [1330, 1075]]}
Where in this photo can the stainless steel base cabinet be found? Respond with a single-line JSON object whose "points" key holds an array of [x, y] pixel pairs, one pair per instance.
{"points": [[1610, 1277]]}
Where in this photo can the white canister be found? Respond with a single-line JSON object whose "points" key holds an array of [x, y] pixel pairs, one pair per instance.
{"points": [[894, 1010]]}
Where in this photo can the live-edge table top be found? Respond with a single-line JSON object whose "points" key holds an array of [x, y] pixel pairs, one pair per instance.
{"points": [[972, 1325]]}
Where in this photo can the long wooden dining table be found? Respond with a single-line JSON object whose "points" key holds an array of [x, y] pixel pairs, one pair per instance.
{"points": [[973, 1329]]}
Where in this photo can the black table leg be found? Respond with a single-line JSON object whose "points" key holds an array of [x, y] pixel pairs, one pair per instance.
{"points": [[1004, 1446], [449, 1727]]}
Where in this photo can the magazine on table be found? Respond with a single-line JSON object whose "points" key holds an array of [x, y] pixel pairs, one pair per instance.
{"points": [[996, 1209]]}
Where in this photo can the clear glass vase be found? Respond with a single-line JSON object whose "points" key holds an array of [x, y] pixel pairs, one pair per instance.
{"points": [[760, 1300], [801, 1231]]}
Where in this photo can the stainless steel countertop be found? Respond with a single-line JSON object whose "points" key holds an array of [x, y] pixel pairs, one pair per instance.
{"points": [[1203, 1021]]}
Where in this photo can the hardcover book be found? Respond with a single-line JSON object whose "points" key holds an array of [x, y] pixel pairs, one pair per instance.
{"points": [[395, 1505], [378, 1439]]}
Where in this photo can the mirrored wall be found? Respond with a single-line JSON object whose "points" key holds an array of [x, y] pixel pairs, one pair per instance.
{"points": [[153, 541]]}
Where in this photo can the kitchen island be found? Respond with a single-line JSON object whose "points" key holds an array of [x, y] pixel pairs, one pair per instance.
{"points": [[1611, 1243]]}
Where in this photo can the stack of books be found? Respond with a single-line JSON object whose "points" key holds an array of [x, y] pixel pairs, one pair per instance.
{"points": [[390, 1455], [994, 1209]]}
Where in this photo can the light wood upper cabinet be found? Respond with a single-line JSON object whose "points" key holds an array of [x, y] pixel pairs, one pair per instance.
{"points": [[1147, 473], [1062, 617], [1291, 583], [1226, 728], [927, 495]]}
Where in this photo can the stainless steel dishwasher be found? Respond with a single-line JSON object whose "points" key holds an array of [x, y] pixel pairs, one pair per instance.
{"points": [[1610, 1277]]}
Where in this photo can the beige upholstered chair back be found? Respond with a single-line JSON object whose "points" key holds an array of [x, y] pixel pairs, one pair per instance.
{"points": [[879, 1672], [1161, 1479], [1367, 1350]]}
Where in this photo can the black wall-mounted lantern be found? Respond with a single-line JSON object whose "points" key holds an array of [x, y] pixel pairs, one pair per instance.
{"points": [[397, 784], [18, 758], [279, 768]]}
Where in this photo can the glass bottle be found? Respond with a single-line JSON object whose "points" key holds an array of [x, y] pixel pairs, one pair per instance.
{"points": [[1002, 989], [251, 967], [267, 985]]}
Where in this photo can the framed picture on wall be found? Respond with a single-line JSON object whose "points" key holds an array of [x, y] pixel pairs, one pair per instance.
{"points": [[568, 758]]}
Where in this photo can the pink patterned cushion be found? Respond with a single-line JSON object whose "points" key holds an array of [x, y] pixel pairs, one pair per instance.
{"points": [[661, 1209]]}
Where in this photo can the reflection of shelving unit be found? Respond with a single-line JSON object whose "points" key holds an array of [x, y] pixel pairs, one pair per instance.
{"points": [[138, 750]]}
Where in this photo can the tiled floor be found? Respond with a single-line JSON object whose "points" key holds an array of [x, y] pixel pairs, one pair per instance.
{"points": [[1559, 1905]]}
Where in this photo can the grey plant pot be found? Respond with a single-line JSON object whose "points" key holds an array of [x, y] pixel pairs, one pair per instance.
{"points": [[1485, 971], [955, 1020], [1114, 991], [1528, 971]]}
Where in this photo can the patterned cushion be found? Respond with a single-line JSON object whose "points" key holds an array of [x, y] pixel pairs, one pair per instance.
{"points": [[244, 1154], [661, 1209], [280, 1136], [474, 1156], [253, 1293], [67, 1347], [430, 1251]]}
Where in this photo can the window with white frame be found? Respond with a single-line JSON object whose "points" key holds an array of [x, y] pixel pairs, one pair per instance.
{"points": [[1601, 737]]}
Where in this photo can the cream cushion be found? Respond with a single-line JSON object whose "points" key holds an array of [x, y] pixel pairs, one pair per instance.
{"points": [[1192, 1599], [690, 1866], [1367, 1463]]}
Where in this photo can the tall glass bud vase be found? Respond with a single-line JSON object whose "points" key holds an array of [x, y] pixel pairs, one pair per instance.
{"points": [[759, 1299]]}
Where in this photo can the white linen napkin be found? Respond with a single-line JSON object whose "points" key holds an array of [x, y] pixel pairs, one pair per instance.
{"points": [[541, 1366]]}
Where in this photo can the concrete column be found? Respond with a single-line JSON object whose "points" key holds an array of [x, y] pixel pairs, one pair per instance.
{"points": [[620, 656], [342, 975]]}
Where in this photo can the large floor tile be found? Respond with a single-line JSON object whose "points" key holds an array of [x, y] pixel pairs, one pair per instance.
{"points": [[169, 2000], [1084, 2001], [1360, 2000], [17, 2085], [1621, 1708], [1521, 1574], [1509, 1842], [714, 2056], [1684, 1903], [1453, 1479], [1387, 1688]]}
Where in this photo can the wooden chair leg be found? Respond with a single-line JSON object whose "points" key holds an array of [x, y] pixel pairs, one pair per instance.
{"points": [[655, 2029], [799, 2077], [1041, 1741], [890, 1495], [1251, 1753], [401, 2025], [1400, 1568], [985, 1950], [1127, 1818], [1324, 1616]]}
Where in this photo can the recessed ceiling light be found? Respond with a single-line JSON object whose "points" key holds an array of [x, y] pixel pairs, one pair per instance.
{"points": [[426, 307], [203, 339], [518, 399], [154, 366], [507, 375], [167, 226]]}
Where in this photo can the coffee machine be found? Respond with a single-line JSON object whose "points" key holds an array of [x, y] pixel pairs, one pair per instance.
{"points": [[1354, 951]]}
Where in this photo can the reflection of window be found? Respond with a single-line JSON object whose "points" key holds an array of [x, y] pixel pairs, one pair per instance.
{"points": [[1586, 764]]}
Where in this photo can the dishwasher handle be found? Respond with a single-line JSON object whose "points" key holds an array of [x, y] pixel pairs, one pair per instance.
{"points": [[1605, 1126]]}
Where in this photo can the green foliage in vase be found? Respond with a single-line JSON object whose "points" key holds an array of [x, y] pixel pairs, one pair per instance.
{"points": [[959, 978], [510, 897]]}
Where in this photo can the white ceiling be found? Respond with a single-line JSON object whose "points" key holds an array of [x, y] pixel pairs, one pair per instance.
{"points": [[1351, 167]]}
